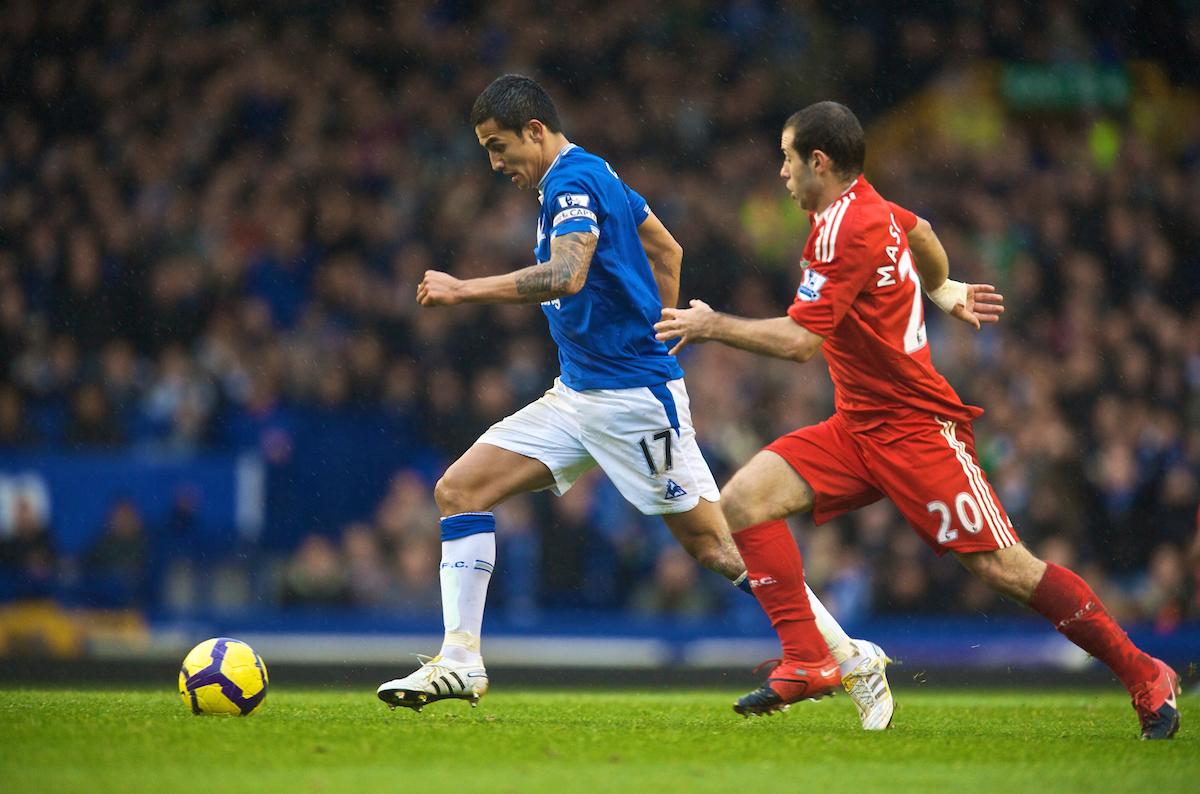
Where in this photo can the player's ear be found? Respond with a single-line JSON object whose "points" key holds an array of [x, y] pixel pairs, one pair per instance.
{"points": [[537, 130], [819, 161]]}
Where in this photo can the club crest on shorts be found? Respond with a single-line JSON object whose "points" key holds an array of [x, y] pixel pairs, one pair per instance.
{"points": [[674, 490]]}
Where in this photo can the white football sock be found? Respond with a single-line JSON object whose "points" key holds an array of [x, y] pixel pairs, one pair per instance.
{"points": [[466, 570], [844, 651]]}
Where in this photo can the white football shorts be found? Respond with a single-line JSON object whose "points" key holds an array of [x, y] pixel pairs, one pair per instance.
{"points": [[642, 438]]}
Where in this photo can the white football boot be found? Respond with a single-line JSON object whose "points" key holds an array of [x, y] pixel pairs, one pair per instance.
{"points": [[868, 687], [436, 679]]}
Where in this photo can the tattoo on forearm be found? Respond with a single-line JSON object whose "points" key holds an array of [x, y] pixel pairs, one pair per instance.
{"points": [[567, 269]]}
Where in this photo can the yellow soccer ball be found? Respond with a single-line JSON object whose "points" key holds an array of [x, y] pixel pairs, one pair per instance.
{"points": [[223, 676]]}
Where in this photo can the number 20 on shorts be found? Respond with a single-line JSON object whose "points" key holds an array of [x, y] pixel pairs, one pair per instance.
{"points": [[969, 516]]}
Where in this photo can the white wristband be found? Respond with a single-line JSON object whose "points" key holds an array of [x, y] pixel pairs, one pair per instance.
{"points": [[949, 295]]}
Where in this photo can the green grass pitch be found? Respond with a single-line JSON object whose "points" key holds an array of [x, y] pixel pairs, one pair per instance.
{"points": [[332, 740]]}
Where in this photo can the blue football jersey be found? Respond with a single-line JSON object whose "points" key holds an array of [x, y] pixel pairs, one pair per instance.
{"points": [[605, 332]]}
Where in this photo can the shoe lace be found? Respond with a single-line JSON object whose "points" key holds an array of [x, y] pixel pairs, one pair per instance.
{"points": [[1143, 700], [859, 689], [428, 669], [773, 664]]}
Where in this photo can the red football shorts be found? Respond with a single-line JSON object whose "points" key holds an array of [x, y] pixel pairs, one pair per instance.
{"points": [[926, 466]]}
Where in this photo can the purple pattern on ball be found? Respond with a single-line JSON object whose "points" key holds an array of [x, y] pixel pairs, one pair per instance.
{"points": [[212, 675]]}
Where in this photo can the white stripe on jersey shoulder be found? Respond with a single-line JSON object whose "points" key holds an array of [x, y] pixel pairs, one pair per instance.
{"points": [[836, 222], [823, 251], [824, 244], [823, 220], [827, 238]]}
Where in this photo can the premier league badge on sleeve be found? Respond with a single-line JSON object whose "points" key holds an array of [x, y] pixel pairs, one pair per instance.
{"points": [[810, 287], [574, 206], [578, 200]]}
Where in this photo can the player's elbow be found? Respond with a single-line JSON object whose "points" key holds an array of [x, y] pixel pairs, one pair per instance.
{"points": [[803, 353], [570, 284], [668, 260], [805, 347], [675, 254]]}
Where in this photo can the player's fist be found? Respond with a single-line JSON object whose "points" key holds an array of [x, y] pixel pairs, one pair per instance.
{"points": [[439, 289], [687, 325]]}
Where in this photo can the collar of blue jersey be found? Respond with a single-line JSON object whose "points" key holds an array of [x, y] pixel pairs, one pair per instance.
{"points": [[557, 157]]}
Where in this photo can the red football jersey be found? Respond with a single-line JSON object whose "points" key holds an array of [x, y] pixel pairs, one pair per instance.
{"points": [[861, 291]]}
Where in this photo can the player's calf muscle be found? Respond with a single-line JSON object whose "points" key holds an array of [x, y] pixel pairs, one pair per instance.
{"points": [[703, 534], [1011, 571]]}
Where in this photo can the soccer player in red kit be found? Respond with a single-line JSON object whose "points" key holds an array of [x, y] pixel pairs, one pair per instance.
{"points": [[899, 429]]}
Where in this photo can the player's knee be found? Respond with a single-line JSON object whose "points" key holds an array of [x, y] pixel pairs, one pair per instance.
{"points": [[452, 495], [744, 505], [737, 506], [443, 494]]}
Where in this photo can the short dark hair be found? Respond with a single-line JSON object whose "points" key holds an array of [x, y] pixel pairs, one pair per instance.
{"points": [[512, 101], [833, 129]]}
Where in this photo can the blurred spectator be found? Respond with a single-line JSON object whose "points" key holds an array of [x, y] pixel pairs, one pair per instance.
{"points": [[518, 556], [1163, 596], [566, 541], [902, 579], [28, 559], [365, 565], [14, 430], [407, 511], [178, 402], [416, 583], [674, 587], [86, 310], [115, 569], [92, 424], [124, 378], [316, 574]]}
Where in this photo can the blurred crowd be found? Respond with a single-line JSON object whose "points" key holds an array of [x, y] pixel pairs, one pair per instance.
{"points": [[213, 212]]}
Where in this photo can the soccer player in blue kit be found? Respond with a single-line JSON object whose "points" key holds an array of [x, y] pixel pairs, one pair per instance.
{"points": [[606, 267]]}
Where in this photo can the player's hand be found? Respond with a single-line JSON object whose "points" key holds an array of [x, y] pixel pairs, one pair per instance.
{"points": [[439, 289], [984, 305], [686, 325]]}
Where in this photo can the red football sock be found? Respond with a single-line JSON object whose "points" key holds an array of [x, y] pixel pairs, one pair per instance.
{"points": [[776, 574], [1066, 601]]}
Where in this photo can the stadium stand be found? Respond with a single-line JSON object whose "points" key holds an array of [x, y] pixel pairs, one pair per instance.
{"points": [[213, 217]]}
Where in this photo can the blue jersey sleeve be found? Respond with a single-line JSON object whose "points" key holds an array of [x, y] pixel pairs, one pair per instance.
{"points": [[573, 207], [639, 206]]}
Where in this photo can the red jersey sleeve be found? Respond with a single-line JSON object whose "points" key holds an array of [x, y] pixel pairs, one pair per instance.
{"points": [[841, 265], [906, 219]]}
